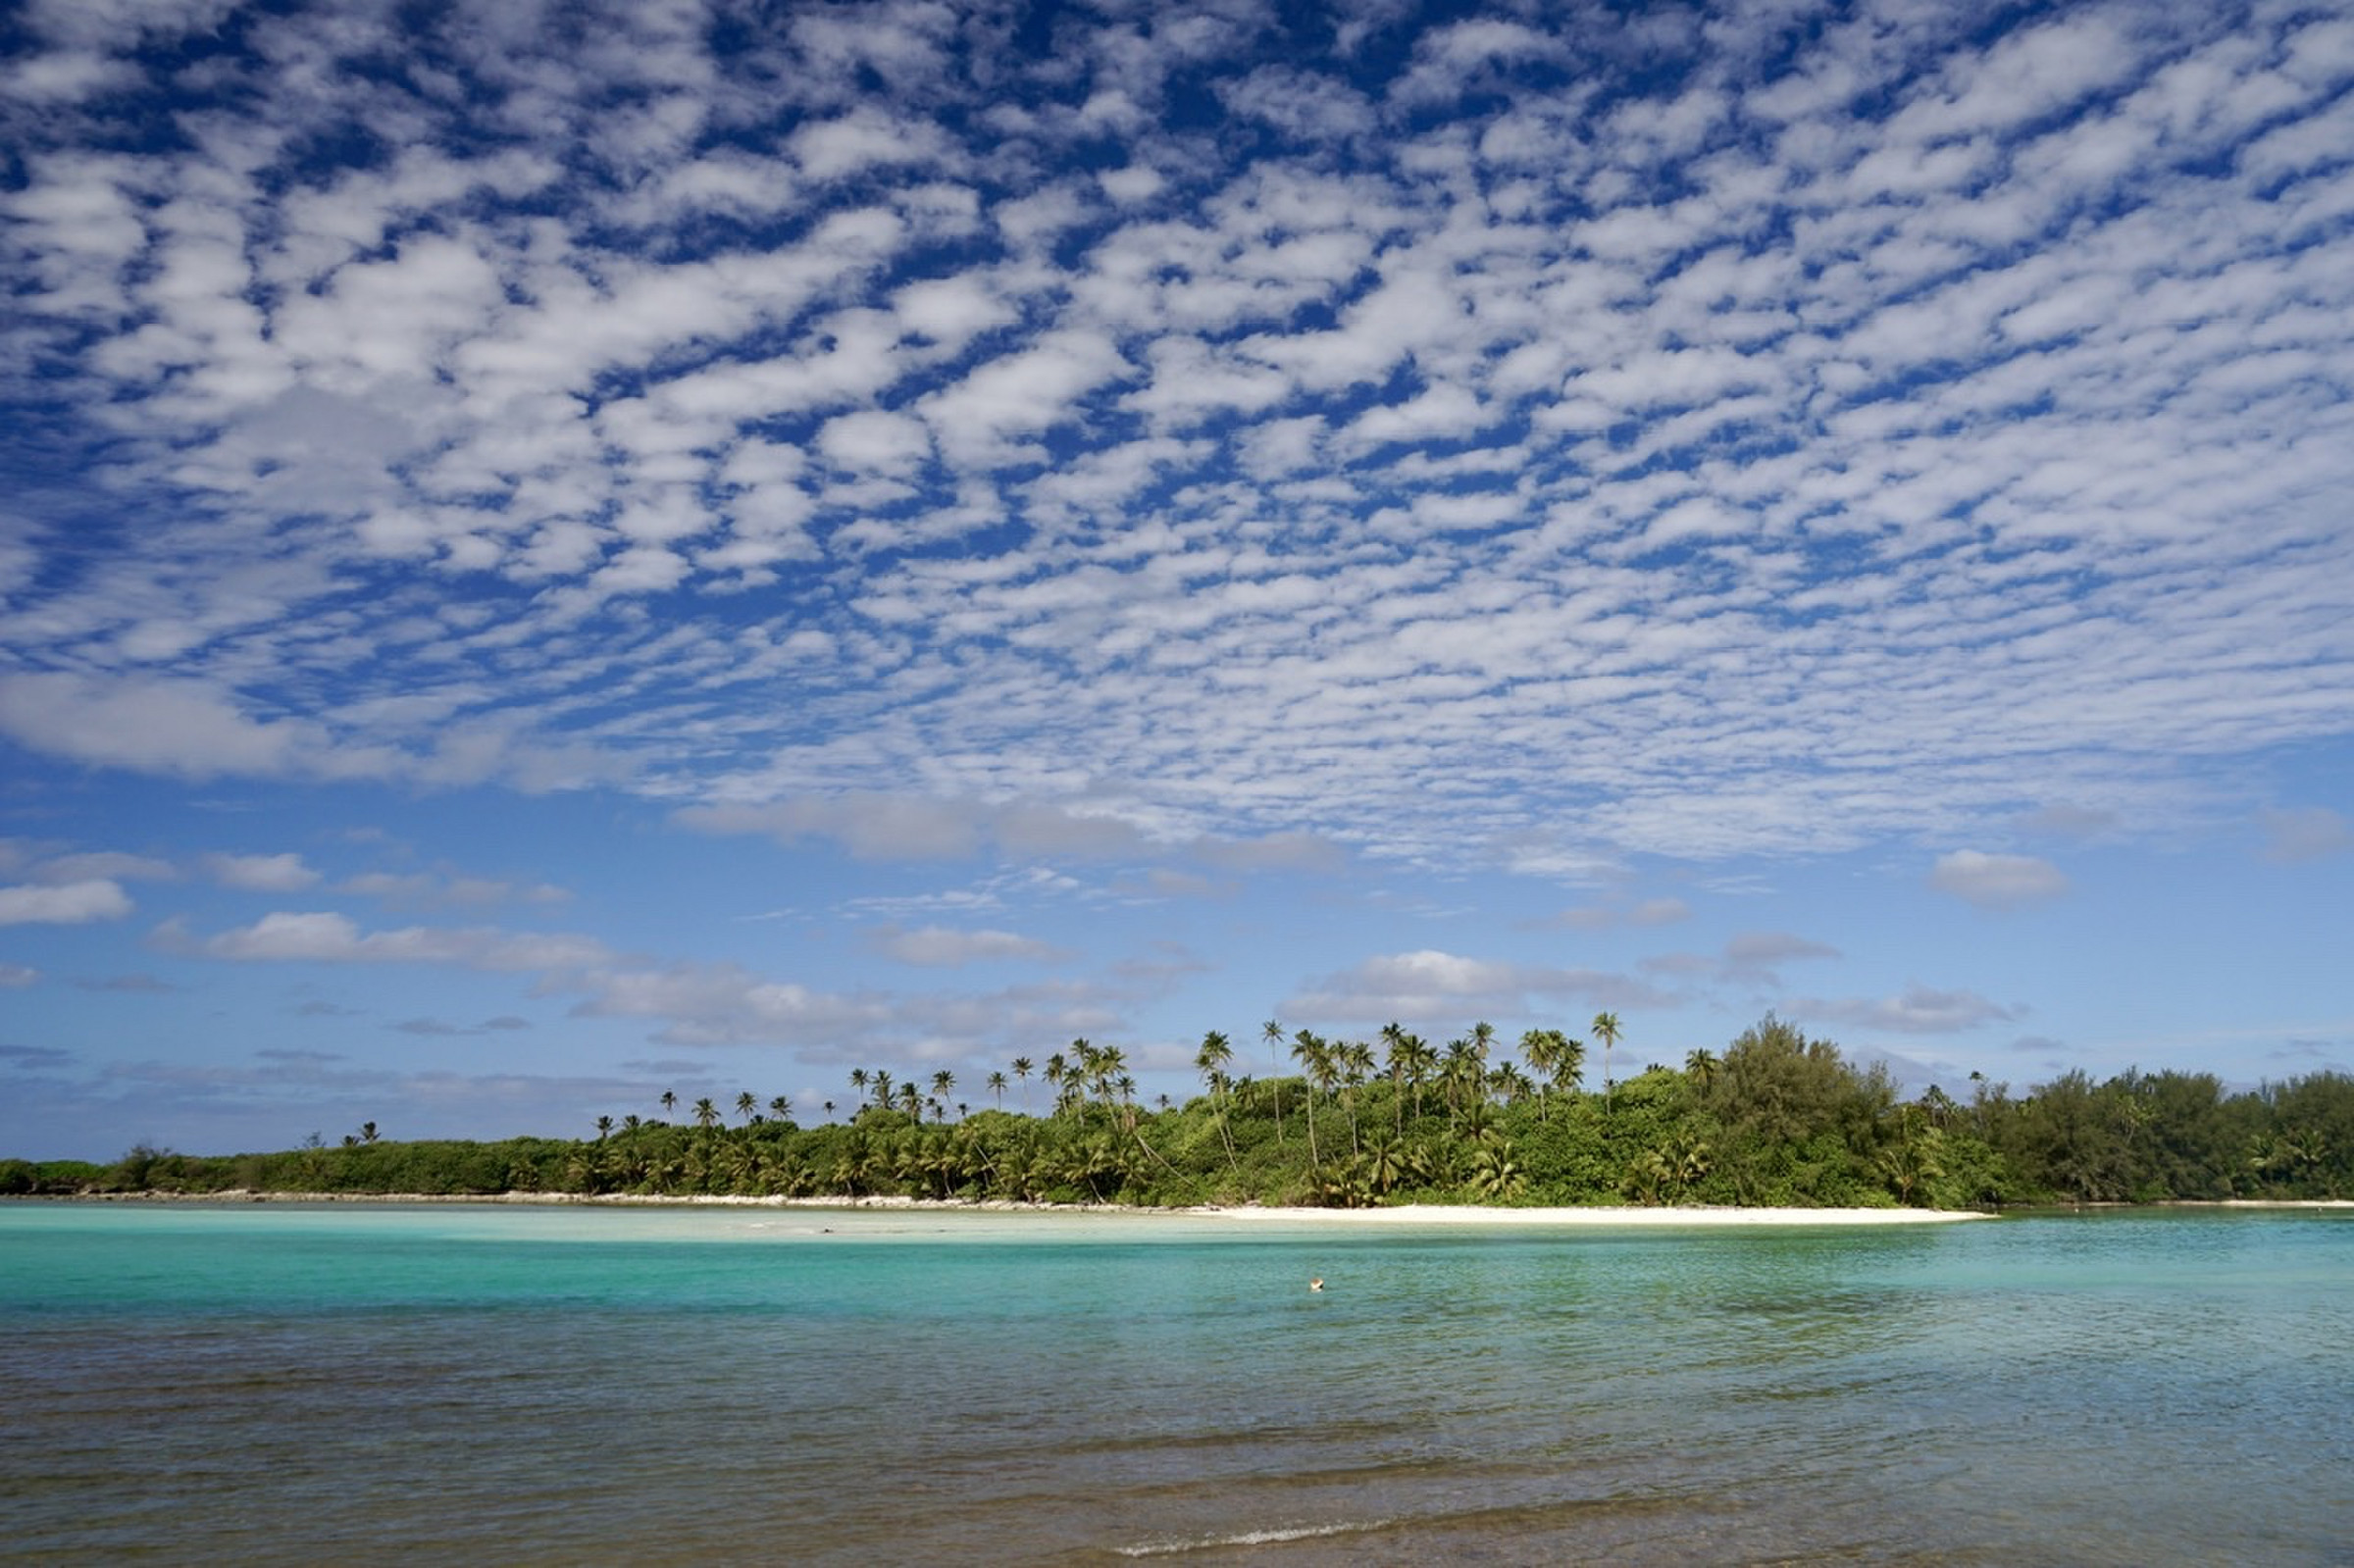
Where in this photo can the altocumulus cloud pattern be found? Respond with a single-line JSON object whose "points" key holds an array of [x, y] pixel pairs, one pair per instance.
{"points": [[1736, 427]]}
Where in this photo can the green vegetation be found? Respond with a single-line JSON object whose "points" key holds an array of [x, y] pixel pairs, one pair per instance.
{"points": [[1776, 1119]]}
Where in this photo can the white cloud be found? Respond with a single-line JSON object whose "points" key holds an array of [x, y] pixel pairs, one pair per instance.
{"points": [[1997, 882], [2307, 833], [271, 874], [321, 937], [1916, 1010], [939, 947], [73, 903], [1441, 990], [160, 724]]}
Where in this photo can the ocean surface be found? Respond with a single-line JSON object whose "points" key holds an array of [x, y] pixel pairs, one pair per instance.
{"points": [[273, 1383]]}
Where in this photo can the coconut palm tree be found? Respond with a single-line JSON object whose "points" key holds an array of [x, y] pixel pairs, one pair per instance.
{"points": [[748, 1105], [670, 1102], [1211, 1061], [1021, 1074], [604, 1127], [1315, 1056], [1355, 1060], [996, 1086], [706, 1114], [1605, 1030], [1702, 1067], [944, 1084], [781, 1108], [1272, 1032]]}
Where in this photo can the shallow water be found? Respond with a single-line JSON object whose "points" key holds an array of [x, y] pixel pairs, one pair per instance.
{"points": [[266, 1384]]}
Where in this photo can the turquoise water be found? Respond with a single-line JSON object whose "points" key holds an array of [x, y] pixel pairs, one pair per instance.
{"points": [[273, 1384]]}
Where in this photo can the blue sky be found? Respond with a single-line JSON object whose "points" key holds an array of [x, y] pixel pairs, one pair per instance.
{"points": [[554, 553]]}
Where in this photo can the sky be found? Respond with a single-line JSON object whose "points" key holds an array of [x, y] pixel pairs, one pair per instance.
{"points": [[551, 553]]}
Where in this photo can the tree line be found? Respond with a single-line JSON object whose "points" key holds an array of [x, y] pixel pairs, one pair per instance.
{"points": [[1774, 1119]]}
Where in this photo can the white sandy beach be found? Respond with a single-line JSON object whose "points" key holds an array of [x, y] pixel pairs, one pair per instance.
{"points": [[1246, 1214], [1463, 1214]]}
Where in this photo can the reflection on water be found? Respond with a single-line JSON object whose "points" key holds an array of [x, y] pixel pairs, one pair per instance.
{"points": [[569, 1386]]}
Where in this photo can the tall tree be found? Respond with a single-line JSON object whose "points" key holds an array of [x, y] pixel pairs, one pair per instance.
{"points": [[1272, 1032], [1315, 1056], [1212, 1061], [1605, 1030]]}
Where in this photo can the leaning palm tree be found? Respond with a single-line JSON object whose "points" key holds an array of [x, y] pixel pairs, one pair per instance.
{"points": [[1211, 1061], [1605, 1030], [1315, 1057]]}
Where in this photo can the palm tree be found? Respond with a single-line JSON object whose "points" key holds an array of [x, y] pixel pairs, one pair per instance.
{"points": [[1700, 1067], [747, 1105], [1421, 1061], [604, 1127], [706, 1114], [1210, 1062], [996, 1086], [1355, 1060], [670, 1102], [781, 1108], [1021, 1073], [1315, 1057], [911, 1100], [1463, 1075], [1272, 1032], [1605, 1030], [944, 1084], [858, 1082]]}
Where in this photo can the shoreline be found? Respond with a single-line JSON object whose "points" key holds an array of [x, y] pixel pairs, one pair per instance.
{"points": [[1469, 1215], [1432, 1214]]}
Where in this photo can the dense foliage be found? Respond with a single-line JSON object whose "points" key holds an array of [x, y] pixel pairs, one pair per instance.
{"points": [[1776, 1119]]}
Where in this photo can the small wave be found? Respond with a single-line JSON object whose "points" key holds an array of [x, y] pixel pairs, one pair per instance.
{"points": [[1248, 1538]]}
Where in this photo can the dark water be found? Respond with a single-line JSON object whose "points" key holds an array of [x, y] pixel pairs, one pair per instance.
{"points": [[267, 1383]]}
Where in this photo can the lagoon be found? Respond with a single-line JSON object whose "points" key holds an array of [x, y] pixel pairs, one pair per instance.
{"points": [[273, 1383]]}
